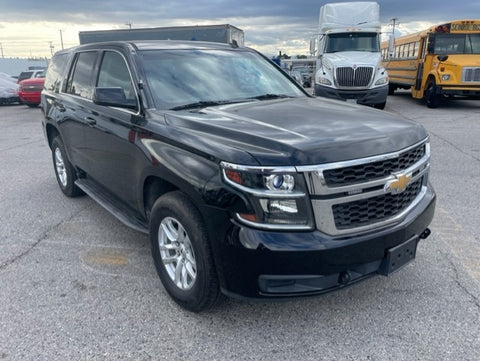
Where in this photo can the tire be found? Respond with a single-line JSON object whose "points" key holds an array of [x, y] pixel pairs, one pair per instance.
{"points": [[380, 106], [391, 89], [182, 254], [64, 171], [432, 99], [32, 105]]}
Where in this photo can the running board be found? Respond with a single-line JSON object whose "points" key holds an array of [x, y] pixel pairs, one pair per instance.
{"points": [[115, 207]]}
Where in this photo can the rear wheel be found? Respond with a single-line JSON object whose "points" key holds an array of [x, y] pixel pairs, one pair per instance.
{"points": [[64, 171], [182, 254], [432, 99]]}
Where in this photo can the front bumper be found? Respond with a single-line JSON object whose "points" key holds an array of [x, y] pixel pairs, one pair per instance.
{"points": [[367, 97], [29, 97], [259, 264]]}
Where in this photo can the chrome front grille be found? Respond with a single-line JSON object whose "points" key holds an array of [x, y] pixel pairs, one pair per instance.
{"points": [[369, 171], [360, 195], [470, 74], [375, 209], [354, 77]]}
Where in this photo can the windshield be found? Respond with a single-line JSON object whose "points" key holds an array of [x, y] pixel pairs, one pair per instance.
{"points": [[457, 44], [352, 42], [182, 77]]}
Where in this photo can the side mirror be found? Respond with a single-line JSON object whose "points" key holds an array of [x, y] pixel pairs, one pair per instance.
{"points": [[113, 97], [431, 44]]}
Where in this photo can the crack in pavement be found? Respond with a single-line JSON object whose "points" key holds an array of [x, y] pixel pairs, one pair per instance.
{"points": [[476, 300], [454, 146], [44, 236]]}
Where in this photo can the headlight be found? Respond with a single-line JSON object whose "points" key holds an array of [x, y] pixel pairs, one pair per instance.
{"points": [[445, 77], [277, 196], [323, 80], [382, 81]]}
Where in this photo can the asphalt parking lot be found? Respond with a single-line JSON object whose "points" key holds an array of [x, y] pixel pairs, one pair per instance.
{"points": [[76, 284]]}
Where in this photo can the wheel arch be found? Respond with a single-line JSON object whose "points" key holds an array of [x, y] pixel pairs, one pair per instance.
{"points": [[52, 132]]}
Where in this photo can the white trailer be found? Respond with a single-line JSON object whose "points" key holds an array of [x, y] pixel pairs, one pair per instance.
{"points": [[348, 62]]}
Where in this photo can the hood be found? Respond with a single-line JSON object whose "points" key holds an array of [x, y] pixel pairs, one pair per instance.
{"points": [[349, 58], [460, 60], [33, 81], [295, 131]]}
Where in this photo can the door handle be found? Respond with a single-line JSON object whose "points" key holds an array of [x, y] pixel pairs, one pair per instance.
{"points": [[90, 121]]}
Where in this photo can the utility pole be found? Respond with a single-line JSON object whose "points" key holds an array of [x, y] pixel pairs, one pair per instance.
{"points": [[61, 38], [129, 24], [1, 49]]}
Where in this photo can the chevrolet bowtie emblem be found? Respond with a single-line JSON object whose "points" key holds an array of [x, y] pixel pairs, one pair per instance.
{"points": [[399, 184]]}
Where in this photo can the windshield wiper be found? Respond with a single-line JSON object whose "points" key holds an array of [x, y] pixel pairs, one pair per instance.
{"points": [[271, 96], [203, 104]]}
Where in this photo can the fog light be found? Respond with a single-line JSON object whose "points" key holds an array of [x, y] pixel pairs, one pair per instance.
{"points": [[276, 206], [445, 77]]}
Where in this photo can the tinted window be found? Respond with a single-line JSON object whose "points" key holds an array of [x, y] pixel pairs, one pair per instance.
{"points": [[114, 74], [55, 71], [80, 80]]}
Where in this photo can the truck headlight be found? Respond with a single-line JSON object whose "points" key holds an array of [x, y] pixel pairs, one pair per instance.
{"points": [[445, 77], [382, 81], [277, 196], [324, 81]]}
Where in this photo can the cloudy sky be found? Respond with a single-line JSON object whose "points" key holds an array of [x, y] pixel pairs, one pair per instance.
{"points": [[31, 27]]}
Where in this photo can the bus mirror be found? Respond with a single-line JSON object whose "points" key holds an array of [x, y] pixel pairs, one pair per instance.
{"points": [[431, 44], [391, 46], [313, 46]]}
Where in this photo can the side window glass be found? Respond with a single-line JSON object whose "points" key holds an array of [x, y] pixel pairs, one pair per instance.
{"points": [[54, 72], [114, 74], [80, 80]]}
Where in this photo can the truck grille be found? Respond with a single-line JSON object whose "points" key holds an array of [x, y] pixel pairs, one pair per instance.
{"points": [[471, 75], [360, 195], [375, 170], [349, 77], [375, 209], [32, 88]]}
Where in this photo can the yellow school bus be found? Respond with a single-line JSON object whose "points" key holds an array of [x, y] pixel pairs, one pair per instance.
{"points": [[439, 63]]}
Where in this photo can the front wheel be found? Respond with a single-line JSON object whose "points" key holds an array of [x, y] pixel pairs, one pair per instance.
{"points": [[432, 99], [182, 254], [64, 171]]}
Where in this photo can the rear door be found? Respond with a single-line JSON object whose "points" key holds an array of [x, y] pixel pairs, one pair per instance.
{"points": [[74, 107]]}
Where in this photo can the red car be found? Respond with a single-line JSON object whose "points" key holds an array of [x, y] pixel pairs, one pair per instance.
{"points": [[30, 90]]}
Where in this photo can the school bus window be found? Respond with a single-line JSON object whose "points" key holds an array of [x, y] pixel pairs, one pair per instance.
{"points": [[415, 49]]}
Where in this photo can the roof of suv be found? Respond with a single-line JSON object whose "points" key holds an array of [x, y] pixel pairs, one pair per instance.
{"points": [[154, 45]]}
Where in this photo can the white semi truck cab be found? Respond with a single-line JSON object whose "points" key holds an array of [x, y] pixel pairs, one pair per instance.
{"points": [[348, 63]]}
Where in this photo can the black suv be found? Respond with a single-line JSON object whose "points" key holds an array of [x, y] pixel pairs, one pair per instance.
{"points": [[247, 185]]}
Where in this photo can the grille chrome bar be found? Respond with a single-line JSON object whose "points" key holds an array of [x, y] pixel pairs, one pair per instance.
{"points": [[325, 197], [353, 77], [471, 74]]}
